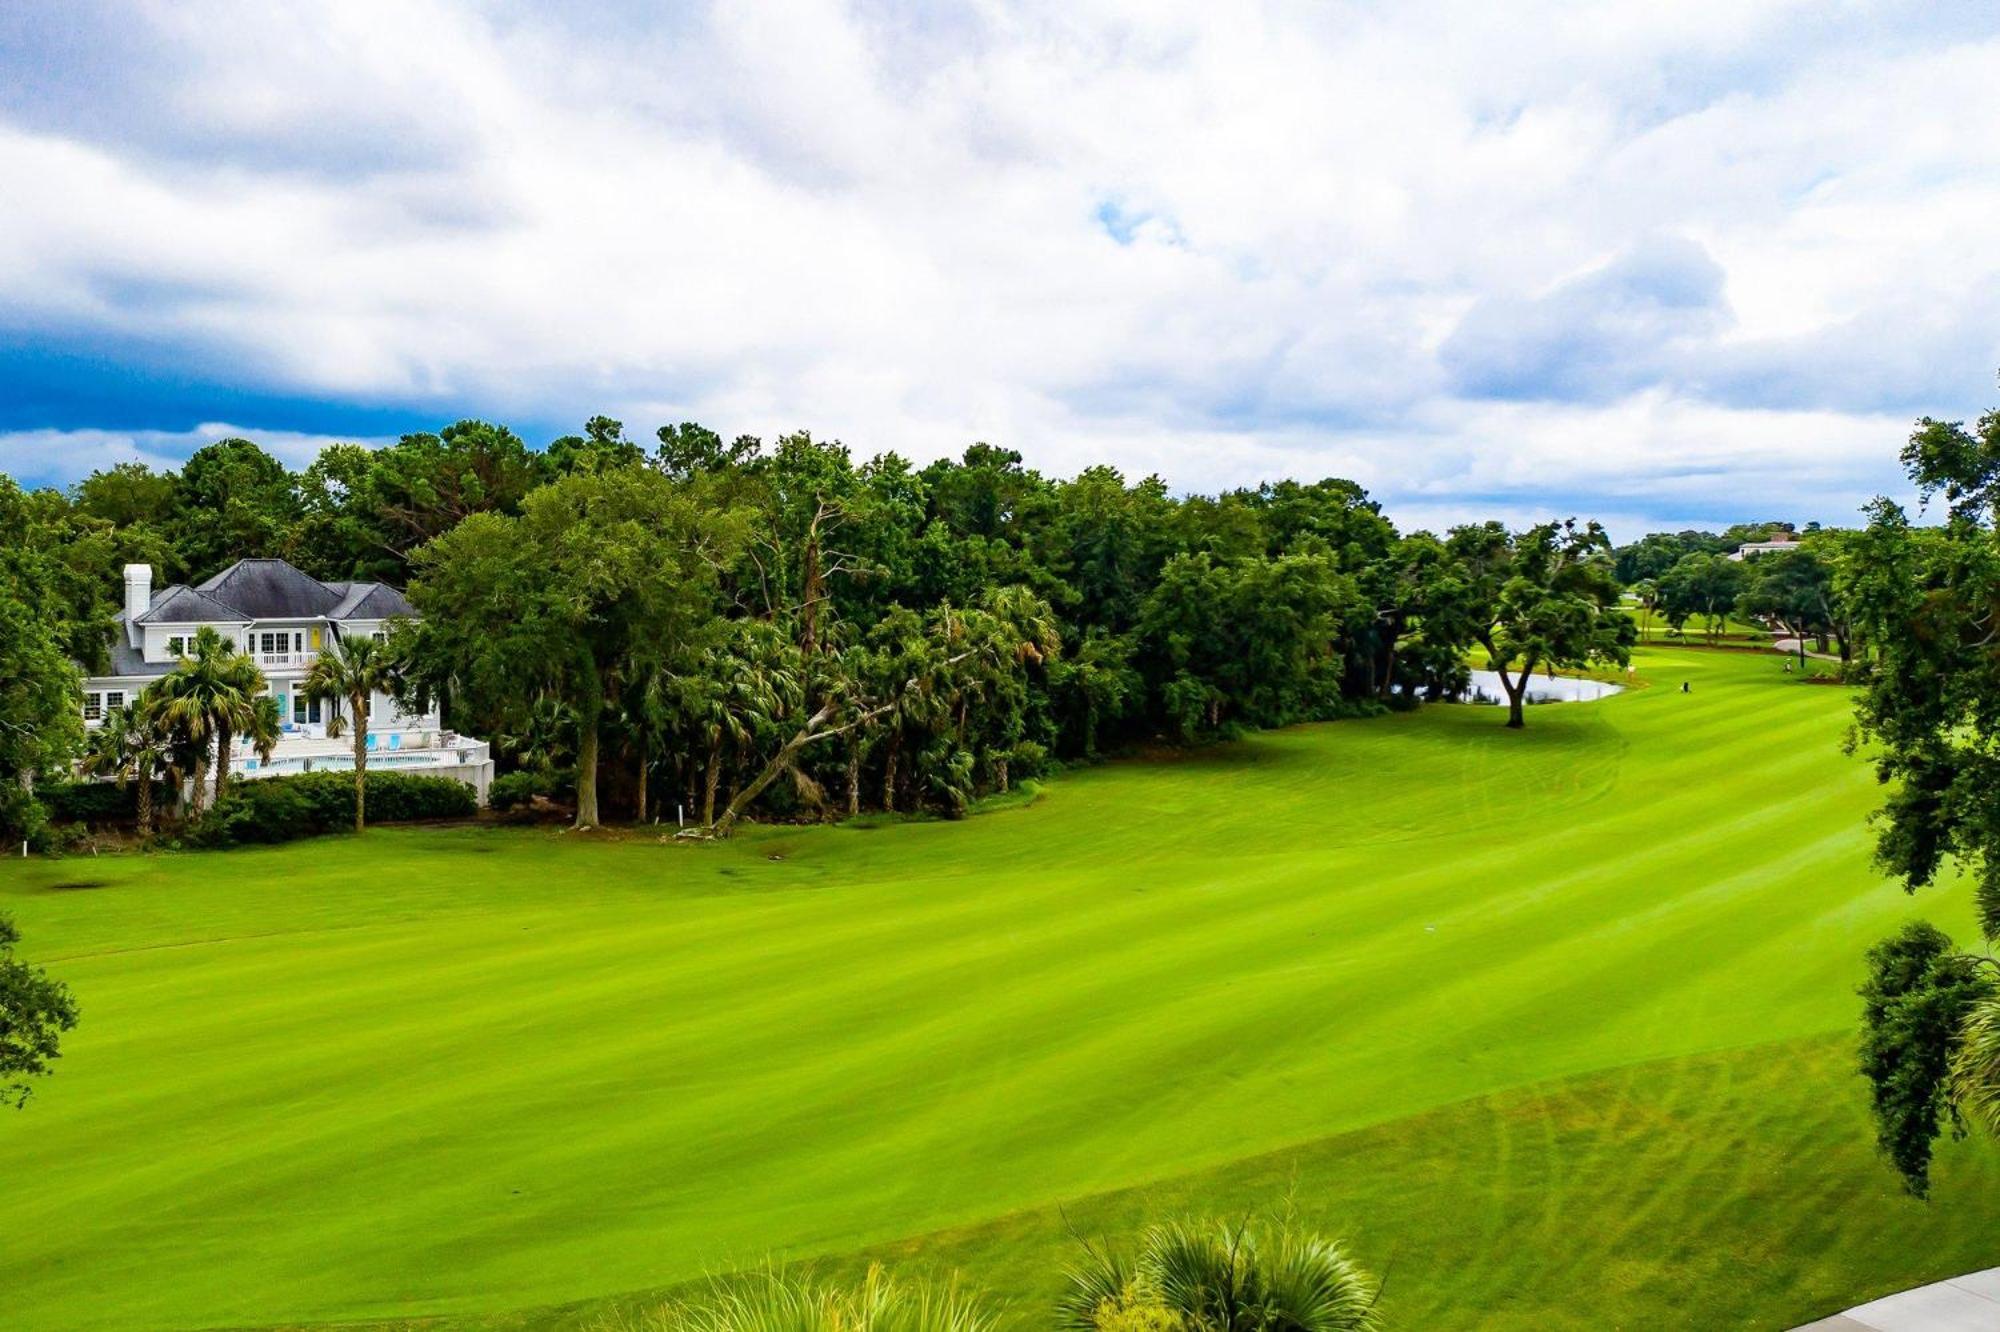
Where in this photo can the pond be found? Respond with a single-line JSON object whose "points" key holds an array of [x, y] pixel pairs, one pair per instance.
{"points": [[1486, 688]]}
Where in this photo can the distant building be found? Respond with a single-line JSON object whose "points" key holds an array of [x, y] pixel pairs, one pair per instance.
{"points": [[1783, 541], [284, 619]]}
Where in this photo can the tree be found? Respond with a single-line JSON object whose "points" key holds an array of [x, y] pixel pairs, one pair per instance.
{"points": [[600, 569], [203, 703], [1647, 591], [1543, 598], [955, 653], [749, 679], [1705, 585], [1656, 552], [41, 715], [127, 494], [233, 501], [601, 447], [1919, 994], [365, 510], [34, 1013], [131, 745], [1796, 589], [354, 670], [688, 450], [1922, 602]]}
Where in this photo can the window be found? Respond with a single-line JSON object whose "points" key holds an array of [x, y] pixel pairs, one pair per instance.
{"points": [[114, 699], [298, 709], [93, 706], [177, 646]]}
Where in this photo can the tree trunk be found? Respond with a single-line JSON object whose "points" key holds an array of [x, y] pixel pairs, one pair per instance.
{"points": [[200, 781], [145, 805], [711, 780], [359, 703], [853, 777], [809, 610], [781, 761], [224, 743], [643, 767], [1517, 694], [1000, 770], [889, 774], [589, 712]]}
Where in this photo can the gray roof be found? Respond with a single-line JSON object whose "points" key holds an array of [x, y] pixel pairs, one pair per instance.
{"points": [[127, 659], [181, 604], [272, 590], [371, 601]]}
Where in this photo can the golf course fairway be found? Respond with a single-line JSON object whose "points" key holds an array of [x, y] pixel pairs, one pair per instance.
{"points": [[1554, 1027]]}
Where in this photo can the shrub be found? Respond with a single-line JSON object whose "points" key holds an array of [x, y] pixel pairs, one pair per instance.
{"points": [[775, 1302], [519, 788], [1221, 1277], [89, 802], [283, 809], [23, 818]]}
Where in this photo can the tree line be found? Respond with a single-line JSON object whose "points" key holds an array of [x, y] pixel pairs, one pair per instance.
{"points": [[702, 627]]}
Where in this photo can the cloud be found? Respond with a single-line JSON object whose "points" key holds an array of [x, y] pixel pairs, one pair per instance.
{"points": [[56, 456], [1415, 244], [1616, 327]]}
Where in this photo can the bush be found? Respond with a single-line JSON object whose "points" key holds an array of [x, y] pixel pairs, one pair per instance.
{"points": [[521, 787], [89, 802], [23, 818], [1221, 1277], [283, 809], [774, 1301]]}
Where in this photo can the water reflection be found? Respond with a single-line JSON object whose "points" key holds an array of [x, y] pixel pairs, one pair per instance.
{"points": [[1486, 688]]}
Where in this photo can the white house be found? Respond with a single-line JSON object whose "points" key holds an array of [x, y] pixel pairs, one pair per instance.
{"points": [[1783, 541], [284, 619]]}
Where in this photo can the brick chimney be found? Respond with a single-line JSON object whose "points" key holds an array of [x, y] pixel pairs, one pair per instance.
{"points": [[138, 590]]}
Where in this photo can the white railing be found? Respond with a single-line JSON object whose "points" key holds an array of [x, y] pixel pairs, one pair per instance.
{"points": [[287, 658]]}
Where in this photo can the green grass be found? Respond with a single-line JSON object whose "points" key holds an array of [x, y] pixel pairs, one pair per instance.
{"points": [[1553, 1025]]}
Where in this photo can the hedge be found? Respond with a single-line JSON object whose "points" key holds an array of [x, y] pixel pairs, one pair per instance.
{"points": [[283, 809], [93, 802]]}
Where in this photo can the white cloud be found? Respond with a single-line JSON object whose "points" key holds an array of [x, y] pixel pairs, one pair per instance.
{"points": [[883, 223], [31, 452]]}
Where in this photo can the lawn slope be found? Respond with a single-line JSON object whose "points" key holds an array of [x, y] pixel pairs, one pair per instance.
{"points": [[1563, 1011]]}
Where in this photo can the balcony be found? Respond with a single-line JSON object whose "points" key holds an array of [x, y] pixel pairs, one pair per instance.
{"points": [[285, 660]]}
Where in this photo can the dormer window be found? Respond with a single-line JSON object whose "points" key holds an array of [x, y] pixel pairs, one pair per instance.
{"points": [[177, 646]]}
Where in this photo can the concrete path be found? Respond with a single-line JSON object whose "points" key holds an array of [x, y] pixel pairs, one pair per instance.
{"points": [[1970, 1303], [1790, 647]]}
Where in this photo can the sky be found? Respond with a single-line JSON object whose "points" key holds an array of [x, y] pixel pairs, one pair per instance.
{"points": [[1658, 264]]}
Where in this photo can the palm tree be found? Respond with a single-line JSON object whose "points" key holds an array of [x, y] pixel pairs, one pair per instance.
{"points": [[354, 670], [1223, 1277], [204, 701], [1975, 1064], [240, 707], [266, 726], [130, 745], [739, 685]]}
